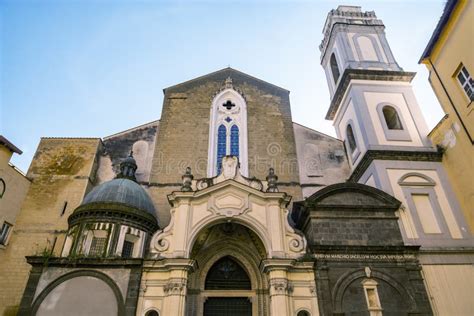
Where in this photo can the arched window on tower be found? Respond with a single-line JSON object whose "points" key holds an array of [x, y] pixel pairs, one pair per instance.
{"points": [[350, 138], [391, 118], [221, 146], [334, 68]]}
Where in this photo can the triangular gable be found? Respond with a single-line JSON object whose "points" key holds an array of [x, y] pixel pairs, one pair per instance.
{"points": [[238, 78]]}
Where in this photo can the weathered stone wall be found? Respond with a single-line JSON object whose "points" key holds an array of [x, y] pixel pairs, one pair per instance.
{"points": [[60, 172], [353, 228], [117, 147], [399, 285], [322, 159], [183, 139]]}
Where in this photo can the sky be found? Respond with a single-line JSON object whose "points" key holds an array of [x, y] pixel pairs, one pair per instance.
{"points": [[94, 68]]}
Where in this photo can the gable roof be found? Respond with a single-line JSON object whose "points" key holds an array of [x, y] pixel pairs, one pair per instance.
{"points": [[223, 74], [443, 20]]}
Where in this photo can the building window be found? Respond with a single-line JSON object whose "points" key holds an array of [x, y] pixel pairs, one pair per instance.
{"points": [[234, 141], [466, 82], [127, 250], [221, 146], [334, 68], [351, 138], [97, 246], [303, 313], [4, 232], [391, 118], [372, 297], [152, 313], [227, 129]]}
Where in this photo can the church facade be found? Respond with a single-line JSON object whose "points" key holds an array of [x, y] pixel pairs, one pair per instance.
{"points": [[225, 206]]}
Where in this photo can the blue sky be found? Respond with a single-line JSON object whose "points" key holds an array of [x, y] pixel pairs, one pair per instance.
{"points": [[94, 68]]}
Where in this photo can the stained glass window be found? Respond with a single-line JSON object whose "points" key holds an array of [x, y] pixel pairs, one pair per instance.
{"points": [[234, 141], [221, 146]]}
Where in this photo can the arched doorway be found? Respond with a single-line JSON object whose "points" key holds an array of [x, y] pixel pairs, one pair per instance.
{"points": [[227, 281], [227, 278]]}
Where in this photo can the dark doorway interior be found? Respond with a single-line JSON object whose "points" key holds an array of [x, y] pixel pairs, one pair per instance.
{"points": [[227, 306]]}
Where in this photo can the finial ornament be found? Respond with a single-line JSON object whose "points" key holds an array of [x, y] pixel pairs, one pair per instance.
{"points": [[228, 83], [272, 179], [187, 180], [127, 168]]}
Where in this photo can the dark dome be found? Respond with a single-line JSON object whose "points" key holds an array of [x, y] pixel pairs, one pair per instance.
{"points": [[123, 191]]}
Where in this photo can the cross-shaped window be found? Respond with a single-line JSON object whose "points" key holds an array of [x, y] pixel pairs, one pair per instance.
{"points": [[228, 105]]}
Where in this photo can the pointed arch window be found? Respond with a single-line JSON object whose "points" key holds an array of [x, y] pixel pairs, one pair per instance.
{"points": [[234, 141], [221, 146], [334, 68], [391, 118], [227, 274], [227, 130], [351, 138]]}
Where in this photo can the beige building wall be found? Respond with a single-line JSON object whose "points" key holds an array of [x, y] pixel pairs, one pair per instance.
{"points": [[60, 172], [13, 189], [455, 133], [452, 286]]}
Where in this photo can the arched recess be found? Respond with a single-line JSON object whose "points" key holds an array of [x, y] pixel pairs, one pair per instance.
{"points": [[78, 274], [416, 179], [341, 286], [228, 109], [255, 227], [215, 243]]}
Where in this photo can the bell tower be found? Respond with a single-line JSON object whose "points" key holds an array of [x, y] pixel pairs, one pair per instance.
{"points": [[376, 114]]}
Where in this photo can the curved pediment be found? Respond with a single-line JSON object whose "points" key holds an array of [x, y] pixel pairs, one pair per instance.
{"points": [[352, 196]]}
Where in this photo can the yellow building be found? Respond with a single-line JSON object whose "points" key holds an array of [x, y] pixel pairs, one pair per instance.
{"points": [[448, 56], [13, 187]]}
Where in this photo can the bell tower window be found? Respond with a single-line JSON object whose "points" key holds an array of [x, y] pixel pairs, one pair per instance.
{"points": [[391, 118], [334, 68], [351, 139]]}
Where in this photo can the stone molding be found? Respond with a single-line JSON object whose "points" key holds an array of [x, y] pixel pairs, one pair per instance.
{"points": [[399, 155], [175, 286], [363, 74]]}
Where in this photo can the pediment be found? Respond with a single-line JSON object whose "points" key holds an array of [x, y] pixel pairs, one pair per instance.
{"points": [[352, 196], [239, 78]]}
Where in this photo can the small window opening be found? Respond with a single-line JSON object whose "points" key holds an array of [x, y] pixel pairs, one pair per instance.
{"points": [[127, 250], [334, 68], [152, 313], [4, 232], [391, 118], [350, 138], [97, 246], [64, 208]]}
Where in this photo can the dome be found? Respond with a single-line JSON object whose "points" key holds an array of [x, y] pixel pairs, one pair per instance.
{"points": [[122, 191]]}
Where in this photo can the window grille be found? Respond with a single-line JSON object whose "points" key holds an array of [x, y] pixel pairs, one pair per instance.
{"points": [[127, 250], [97, 246]]}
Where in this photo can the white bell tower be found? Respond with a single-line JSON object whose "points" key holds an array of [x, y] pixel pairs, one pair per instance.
{"points": [[376, 114]]}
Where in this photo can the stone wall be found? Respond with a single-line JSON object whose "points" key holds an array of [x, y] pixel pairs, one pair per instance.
{"points": [[183, 139], [322, 159], [60, 172]]}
